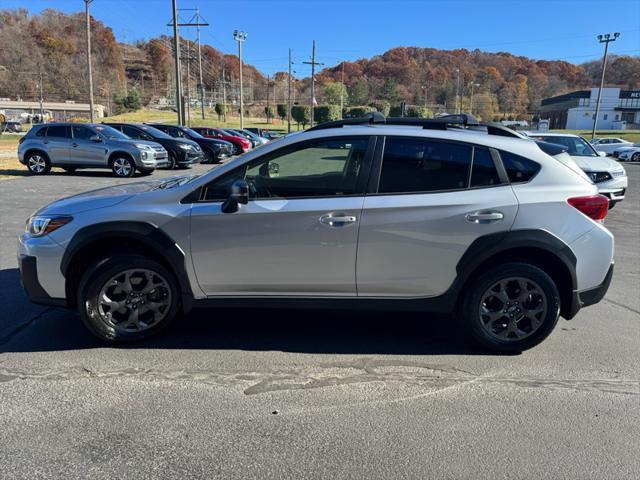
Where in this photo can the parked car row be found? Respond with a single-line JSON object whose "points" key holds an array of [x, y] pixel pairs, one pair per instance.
{"points": [[623, 150], [129, 147]]}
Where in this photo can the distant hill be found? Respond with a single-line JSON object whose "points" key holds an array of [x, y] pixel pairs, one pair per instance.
{"points": [[506, 85]]}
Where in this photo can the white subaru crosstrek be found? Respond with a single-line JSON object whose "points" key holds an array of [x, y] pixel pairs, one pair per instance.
{"points": [[440, 215], [606, 173]]}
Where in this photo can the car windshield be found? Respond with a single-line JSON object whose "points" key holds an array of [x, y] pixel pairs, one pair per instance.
{"points": [[232, 133], [576, 146], [110, 132], [154, 132], [192, 133]]}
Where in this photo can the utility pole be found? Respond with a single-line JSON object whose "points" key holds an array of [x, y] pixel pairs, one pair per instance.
{"points": [[268, 88], [188, 84], [40, 87], [224, 97], [606, 39], [195, 21], [424, 87], [313, 64], [289, 96], [240, 37], [473, 84], [87, 18], [176, 55], [342, 91], [200, 62], [458, 108]]}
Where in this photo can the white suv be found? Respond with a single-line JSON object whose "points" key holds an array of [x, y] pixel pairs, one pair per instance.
{"points": [[606, 173], [438, 215]]}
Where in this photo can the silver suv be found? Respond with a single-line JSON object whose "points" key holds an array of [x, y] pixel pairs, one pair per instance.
{"points": [[72, 146], [434, 216]]}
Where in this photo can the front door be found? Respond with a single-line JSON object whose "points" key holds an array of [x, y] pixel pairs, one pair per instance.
{"points": [[298, 234], [85, 152], [430, 206]]}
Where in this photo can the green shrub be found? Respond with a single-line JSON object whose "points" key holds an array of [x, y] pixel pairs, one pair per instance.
{"points": [[326, 113], [281, 108], [356, 112], [419, 112], [381, 106], [301, 114]]}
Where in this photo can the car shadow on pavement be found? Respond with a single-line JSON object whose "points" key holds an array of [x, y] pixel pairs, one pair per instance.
{"points": [[32, 328]]}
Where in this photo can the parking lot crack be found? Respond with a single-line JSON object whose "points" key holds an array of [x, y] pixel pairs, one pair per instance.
{"points": [[622, 305]]}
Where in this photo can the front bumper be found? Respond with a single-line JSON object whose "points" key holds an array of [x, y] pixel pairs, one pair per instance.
{"points": [[615, 188], [31, 284], [189, 157]]}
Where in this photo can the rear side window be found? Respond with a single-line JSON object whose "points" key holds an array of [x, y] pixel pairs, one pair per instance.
{"points": [[417, 165], [60, 131], [519, 169], [483, 170], [41, 132]]}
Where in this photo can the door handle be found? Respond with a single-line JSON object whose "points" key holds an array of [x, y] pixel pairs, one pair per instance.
{"points": [[484, 217], [338, 220]]}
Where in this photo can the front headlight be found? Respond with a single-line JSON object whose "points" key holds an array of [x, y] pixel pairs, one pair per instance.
{"points": [[184, 146], [143, 146], [40, 225]]}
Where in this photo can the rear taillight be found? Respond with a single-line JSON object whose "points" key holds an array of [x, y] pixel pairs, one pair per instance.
{"points": [[593, 206]]}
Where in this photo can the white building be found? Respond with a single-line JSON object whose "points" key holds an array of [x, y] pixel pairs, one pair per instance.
{"points": [[619, 109], [20, 110]]}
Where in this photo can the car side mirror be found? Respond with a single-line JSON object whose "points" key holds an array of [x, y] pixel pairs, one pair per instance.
{"points": [[602, 154], [95, 138], [238, 195]]}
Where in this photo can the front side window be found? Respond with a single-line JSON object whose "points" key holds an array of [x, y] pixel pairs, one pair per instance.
{"points": [[412, 165], [60, 131], [323, 168], [81, 133], [131, 132]]}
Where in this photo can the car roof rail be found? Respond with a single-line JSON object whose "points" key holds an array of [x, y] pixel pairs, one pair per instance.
{"points": [[368, 119]]}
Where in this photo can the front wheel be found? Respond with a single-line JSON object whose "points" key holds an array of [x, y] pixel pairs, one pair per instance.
{"points": [[123, 167], [172, 162], [635, 157], [127, 298], [511, 307]]}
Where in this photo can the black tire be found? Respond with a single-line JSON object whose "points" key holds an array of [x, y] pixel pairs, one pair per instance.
{"points": [[172, 162], [100, 274], [478, 288], [122, 166], [635, 157], [146, 171], [209, 157], [69, 169], [612, 203], [38, 163]]}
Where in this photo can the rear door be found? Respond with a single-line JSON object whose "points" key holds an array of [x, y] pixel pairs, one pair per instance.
{"points": [[58, 141], [433, 199], [83, 151]]}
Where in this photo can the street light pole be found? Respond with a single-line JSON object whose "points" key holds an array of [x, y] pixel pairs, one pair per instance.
{"points": [[458, 108], [176, 55], [342, 91], [602, 39], [471, 99], [240, 37], [313, 64], [424, 87], [289, 96], [88, 28]]}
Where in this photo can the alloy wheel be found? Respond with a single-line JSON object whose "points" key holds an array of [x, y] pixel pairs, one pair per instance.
{"points": [[134, 300], [513, 309], [122, 167], [37, 163]]}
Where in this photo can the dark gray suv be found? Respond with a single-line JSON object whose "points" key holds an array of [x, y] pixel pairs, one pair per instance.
{"points": [[72, 146]]}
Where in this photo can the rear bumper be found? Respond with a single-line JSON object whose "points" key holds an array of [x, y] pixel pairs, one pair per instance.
{"points": [[31, 284], [589, 297]]}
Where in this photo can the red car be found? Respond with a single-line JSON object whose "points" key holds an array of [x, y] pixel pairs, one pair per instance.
{"points": [[242, 144]]}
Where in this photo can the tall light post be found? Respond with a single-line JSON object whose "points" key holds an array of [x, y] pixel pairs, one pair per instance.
{"points": [[458, 91], [88, 28], [473, 84], [176, 56], [424, 88], [606, 39], [240, 37]]}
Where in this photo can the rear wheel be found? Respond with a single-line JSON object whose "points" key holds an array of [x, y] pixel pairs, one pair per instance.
{"points": [[511, 307], [123, 167], [127, 298], [635, 157], [38, 163]]}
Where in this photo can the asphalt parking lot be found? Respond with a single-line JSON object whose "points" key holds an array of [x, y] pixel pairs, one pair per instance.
{"points": [[255, 394]]}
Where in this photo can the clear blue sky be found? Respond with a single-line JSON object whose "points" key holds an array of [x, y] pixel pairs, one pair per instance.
{"points": [[352, 29]]}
